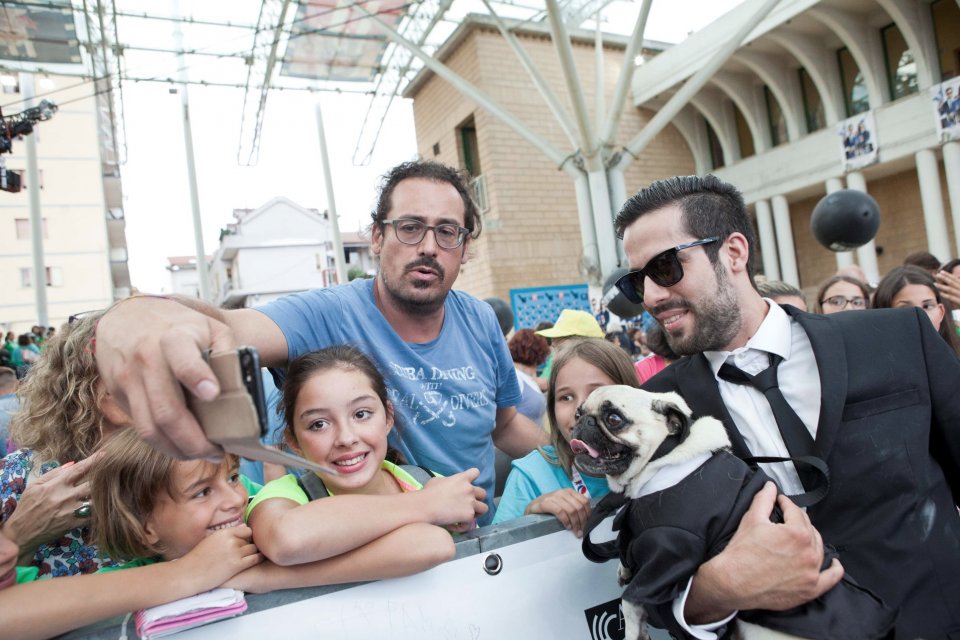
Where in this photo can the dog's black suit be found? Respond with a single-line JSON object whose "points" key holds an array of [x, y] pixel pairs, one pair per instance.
{"points": [[665, 536]]}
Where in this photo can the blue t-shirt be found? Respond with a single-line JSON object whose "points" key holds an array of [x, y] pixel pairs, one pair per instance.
{"points": [[445, 392], [253, 469], [531, 477]]}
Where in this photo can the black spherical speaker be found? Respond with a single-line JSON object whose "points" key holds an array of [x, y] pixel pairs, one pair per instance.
{"points": [[845, 220], [504, 313], [615, 302]]}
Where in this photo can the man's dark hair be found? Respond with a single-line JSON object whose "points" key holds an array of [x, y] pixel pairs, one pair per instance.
{"points": [[922, 259], [710, 207], [428, 170]]}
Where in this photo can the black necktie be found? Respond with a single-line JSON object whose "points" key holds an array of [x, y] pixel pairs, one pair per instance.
{"points": [[795, 434]]}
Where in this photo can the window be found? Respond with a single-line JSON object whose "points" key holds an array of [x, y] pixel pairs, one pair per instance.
{"points": [[946, 29], [900, 65], [469, 148], [23, 172], [716, 151], [812, 104], [54, 277], [776, 119], [23, 228], [855, 95], [10, 83], [744, 137]]}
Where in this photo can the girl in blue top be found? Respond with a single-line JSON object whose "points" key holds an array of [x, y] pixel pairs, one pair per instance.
{"points": [[545, 481]]}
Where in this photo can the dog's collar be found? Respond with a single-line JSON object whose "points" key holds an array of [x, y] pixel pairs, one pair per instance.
{"points": [[669, 444]]}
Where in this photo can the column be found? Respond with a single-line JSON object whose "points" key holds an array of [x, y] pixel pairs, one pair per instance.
{"points": [[867, 254], [931, 198], [788, 257], [844, 258], [768, 240], [951, 166]]}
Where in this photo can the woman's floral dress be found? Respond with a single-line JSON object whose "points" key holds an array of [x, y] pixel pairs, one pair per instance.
{"points": [[74, 552]]}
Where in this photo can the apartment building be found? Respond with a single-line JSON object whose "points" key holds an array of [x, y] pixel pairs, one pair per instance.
{"points": [[84, 245]]}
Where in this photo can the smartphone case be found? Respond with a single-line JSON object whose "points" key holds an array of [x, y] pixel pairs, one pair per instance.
{"points": [[231, 421], [231, 416]]}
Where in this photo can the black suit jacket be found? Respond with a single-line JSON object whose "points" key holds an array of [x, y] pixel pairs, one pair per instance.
{"points": [[889, 430]]}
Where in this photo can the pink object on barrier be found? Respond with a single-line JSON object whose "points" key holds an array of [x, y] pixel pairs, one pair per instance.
{"points": [[201, 609]]}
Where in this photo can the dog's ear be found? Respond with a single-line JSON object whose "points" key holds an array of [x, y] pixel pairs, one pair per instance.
{"points": [[677, 421]]}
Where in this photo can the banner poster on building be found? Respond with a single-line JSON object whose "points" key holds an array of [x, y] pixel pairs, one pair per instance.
{"points": [[859, 141], [945, 98], [534, 305], [39, 32]]}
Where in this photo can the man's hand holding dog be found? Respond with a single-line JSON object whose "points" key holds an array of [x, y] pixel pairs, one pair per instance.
{"points": [[570, 508], [767, 565]]}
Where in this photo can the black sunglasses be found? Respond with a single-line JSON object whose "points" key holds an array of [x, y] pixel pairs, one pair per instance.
{"points": [[664, 269]]}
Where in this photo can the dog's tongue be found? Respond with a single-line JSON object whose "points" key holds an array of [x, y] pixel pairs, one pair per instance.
{"points": [[579, 446]]}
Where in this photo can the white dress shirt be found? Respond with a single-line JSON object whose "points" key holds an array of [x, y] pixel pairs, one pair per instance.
{"points": [[799, 380]]}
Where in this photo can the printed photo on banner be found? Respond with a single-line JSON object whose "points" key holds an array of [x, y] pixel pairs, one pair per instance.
{"points": [[859, 137], [945, 98]]}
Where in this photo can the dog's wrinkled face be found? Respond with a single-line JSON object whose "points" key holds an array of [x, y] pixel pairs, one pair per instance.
{"points": [[619, 428]]}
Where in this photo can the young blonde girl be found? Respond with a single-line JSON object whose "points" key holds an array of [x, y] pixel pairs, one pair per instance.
{"points": [[545, 481], [117, 487], [151, 508], [338, 415]]}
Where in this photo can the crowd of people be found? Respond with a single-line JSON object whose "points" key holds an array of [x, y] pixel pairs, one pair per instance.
{"points": [[404, 389]]}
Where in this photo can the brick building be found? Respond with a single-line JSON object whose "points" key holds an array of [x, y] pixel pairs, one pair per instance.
{"points": [[531, 234], [766, 121]]}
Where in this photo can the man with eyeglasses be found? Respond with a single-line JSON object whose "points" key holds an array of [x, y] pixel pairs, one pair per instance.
{"points": [[875, 390], [450, 374]]}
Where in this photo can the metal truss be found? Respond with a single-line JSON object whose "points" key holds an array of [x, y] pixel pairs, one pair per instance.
{"points": [[270, 37], [397, 67], [106, 61]]}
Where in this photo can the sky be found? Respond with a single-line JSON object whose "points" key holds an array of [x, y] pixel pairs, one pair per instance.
{"points": [[155, 181]]}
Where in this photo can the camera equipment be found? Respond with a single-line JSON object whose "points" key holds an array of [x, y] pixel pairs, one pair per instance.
{"points": [[18, 125]]}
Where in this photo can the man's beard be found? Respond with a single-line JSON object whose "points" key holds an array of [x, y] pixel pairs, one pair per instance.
{"points": [[417, 305], [717, 319]]}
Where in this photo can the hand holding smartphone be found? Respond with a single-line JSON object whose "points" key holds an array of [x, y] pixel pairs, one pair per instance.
{"points": [[237, 418]]}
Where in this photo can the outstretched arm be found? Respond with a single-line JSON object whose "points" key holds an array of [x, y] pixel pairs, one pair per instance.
{"points": [[147, 347], [290, 534], [46, 608], [408, 550]]}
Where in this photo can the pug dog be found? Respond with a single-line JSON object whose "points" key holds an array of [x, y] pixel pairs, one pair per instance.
{"points": [[683, 494]]}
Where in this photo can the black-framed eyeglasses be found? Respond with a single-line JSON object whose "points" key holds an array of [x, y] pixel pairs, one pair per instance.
{"points": [[664, 269], [409, 231], [841, 302]]}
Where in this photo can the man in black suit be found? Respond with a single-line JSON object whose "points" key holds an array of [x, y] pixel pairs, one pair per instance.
{"points": [[877, 390]]}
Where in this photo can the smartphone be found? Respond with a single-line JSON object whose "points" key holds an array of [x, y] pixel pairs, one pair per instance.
{"points": [[237, 418], [253, 381], [240, 409]]}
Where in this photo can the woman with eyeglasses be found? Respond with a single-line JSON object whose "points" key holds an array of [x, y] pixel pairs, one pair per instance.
{"points": [[910, 286], [842, 293]]}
